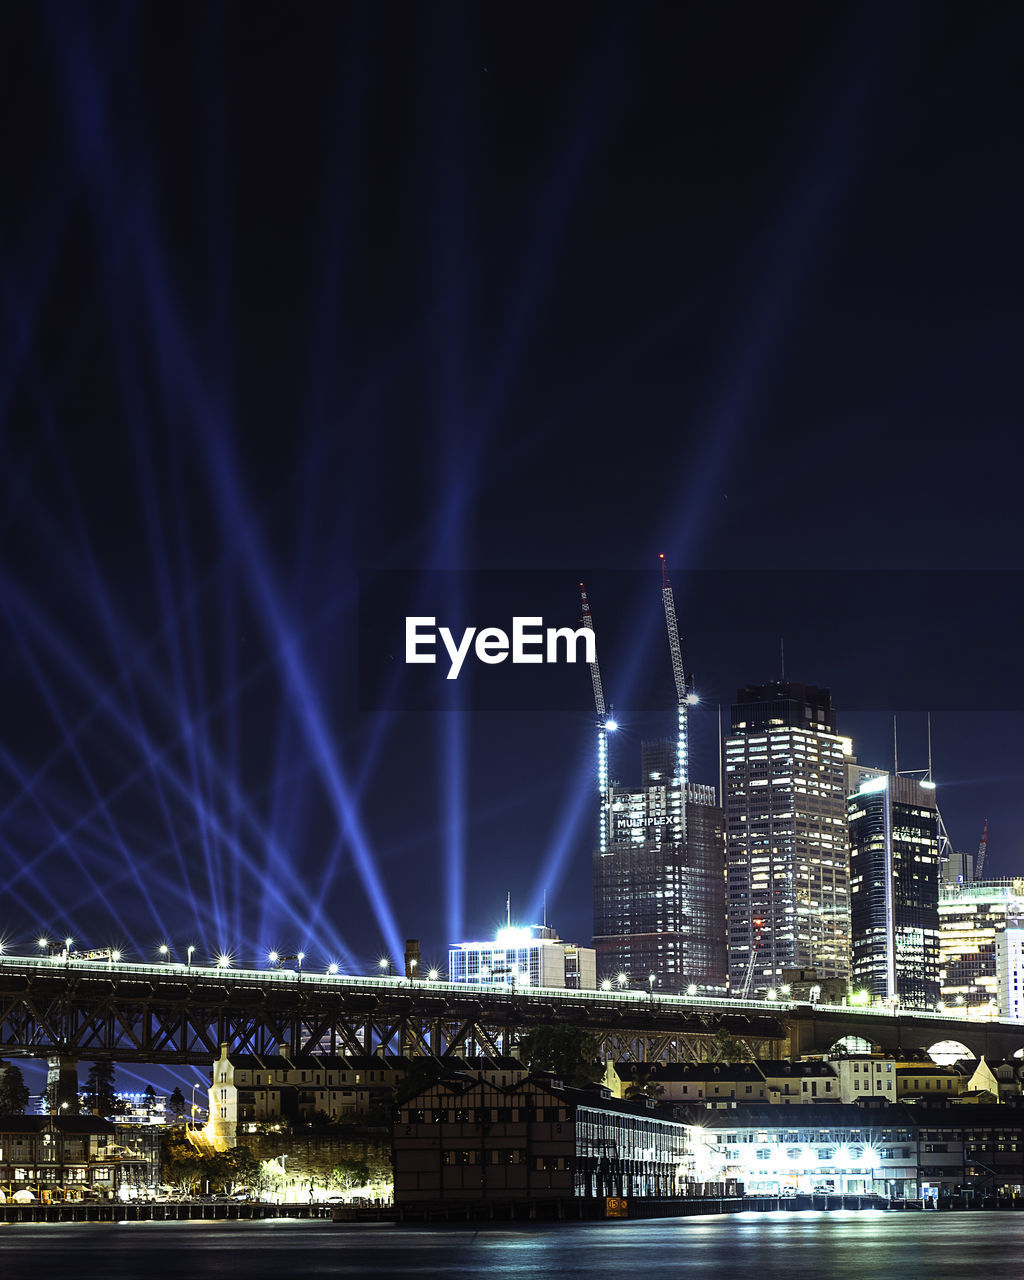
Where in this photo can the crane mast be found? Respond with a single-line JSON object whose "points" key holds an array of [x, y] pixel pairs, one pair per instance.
{"points": [[982, 850], [755, 945], [605, 725], [682, 701]]}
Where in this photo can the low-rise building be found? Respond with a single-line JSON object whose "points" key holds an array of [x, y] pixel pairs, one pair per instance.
{"points": [[723, 1084], [250, 1090], [537, 1140], [895, 1150], [865, 1075], [531, 956], [927, 1080], [52, 1159]]}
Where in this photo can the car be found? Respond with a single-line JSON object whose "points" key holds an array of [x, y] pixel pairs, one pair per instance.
{"points": [[823, 1189]]}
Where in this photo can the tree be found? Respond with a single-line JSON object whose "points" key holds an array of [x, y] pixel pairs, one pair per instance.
{"points": [[150, 1096], [181, 1165], [100, 1097], [13, 1090], [568, 1052], [727, 1048], [348, 1174], [176, 1103], [642, 1085]]}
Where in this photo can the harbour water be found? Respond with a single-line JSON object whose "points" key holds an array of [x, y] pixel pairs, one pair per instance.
{"points": [[784, 1246]]}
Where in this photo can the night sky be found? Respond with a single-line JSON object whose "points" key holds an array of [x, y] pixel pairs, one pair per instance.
{"points": [[317, 316]]}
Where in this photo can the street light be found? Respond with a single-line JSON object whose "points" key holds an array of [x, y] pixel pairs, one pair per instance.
{"points": [[413, 962], [622, 979], [164, 950], [384, 963], [606, 984], [332, 969], [274, 959], [299, 957], [433, 975], [691, 990], [189, 951], [650, 979]]}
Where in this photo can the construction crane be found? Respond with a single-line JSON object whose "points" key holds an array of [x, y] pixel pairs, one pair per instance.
{"points": [[684, 698], [605, 724], [982, 849], [755, 946]]}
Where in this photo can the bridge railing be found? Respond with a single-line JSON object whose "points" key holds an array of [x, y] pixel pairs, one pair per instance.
{"points": [[391, 984]]}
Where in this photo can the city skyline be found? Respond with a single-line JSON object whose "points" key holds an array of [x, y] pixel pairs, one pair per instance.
{"points": [[311, 325]]}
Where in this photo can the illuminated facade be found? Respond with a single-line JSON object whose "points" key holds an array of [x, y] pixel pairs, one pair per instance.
{"points": [[894, 890], [532, 956], [659, 896], [786, 837], [1010, 971], [970, 918]]}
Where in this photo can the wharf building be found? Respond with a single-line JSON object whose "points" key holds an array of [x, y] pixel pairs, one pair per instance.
{"points": [[530, 956], [901, 1151], [894, 889], [971, 916], [659, 887], [787, 851], [539, 1141]]}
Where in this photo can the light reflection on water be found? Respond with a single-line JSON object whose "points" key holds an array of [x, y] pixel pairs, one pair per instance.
{"points": [[775, 1246]]}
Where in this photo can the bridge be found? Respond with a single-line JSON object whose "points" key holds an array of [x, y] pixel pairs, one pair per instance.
{"points": [[65, 1010]]}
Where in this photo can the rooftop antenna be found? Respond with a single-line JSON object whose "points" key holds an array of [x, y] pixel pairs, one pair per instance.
{"points": [[721, 792], [508, 908], [895, 750], [545, 918], [929, 746], [782, 658]]}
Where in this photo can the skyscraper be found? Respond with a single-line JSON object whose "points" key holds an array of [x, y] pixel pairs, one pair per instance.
{"points": [[894, 889], [787, 852], [659, 901], [971, 916]]}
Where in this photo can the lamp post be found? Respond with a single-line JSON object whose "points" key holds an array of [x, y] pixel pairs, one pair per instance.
{"points": [[384, 963], [188, 962], [299, 957], [194, 1088], [622, 980]]}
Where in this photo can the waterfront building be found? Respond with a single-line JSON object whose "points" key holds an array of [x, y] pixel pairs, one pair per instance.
{"points": [[531, 956], [896, 1150], [53, 1159], [537, 1141], [894, 889], [659, 890], [971, 915], [786, 837]]}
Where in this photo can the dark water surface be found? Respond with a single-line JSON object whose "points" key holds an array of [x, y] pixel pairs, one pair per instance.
{"points": [[788, 1246]]}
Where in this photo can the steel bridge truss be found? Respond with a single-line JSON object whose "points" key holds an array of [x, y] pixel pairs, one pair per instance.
{"points": [[184, 1019]]}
